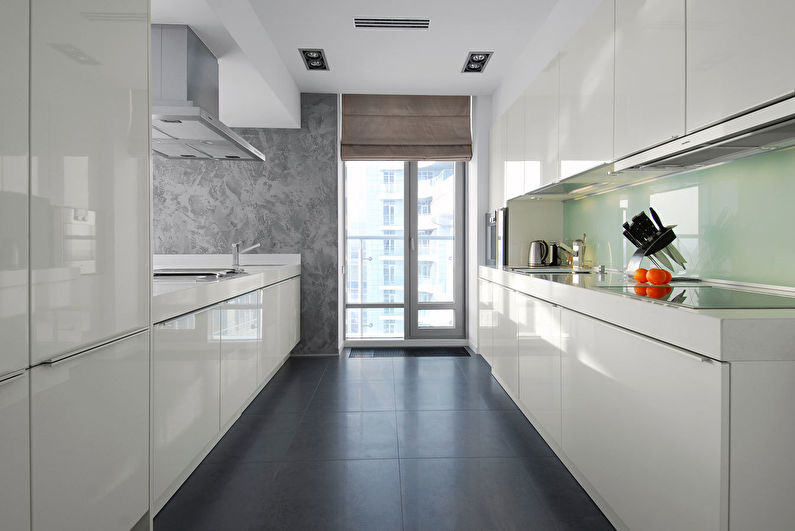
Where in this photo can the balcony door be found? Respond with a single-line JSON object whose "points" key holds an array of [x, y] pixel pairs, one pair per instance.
{"points": [[404, 254]]}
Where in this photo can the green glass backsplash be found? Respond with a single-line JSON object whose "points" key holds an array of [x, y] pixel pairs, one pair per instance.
{"points": [[735, 221]]}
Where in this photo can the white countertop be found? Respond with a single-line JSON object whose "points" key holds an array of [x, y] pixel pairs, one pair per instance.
{"points": [[726, 335], [172, 297]]}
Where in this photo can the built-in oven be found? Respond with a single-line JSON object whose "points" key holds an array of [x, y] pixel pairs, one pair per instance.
{"points": [[496, 237]]}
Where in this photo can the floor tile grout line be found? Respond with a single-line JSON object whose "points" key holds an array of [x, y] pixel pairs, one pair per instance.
{"points": [[397, 441]]}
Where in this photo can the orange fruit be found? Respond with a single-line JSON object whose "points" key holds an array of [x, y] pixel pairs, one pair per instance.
{"points": [[658, 292], [640, 274], [658, 276], [640, 289]]}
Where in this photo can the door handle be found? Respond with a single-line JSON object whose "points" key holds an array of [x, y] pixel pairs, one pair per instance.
{"points": [[412, 244]]}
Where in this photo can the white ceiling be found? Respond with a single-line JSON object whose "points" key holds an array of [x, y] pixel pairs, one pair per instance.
{"points": [[401, 61]]}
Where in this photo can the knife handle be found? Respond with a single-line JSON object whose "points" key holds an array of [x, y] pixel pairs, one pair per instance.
{"points": [[656, 218]]}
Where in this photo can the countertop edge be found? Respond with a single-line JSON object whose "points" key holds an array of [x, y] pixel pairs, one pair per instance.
{"points": [[724, 335], [172, 304]]}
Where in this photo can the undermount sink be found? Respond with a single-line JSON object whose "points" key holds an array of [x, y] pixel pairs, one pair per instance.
{"points": [[551, 270]]}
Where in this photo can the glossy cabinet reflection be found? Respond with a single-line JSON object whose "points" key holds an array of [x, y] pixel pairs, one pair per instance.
{"points": [[290, 316], [185, 392], [485, 319], [240, 331], [538, 330], [15, 452], [14, 186], [89, 131], [90, 438], [505, 355], [270, 352], [739, 55], [540, 154], [644, 423], [650, 73], [586, 94]]}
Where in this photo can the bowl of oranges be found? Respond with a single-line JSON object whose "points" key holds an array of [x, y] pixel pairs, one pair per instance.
{"points": [[652, 283]]}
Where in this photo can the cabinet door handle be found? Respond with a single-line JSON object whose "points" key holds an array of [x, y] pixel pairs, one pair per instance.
{"points": [[90, 350], [11, 377]]}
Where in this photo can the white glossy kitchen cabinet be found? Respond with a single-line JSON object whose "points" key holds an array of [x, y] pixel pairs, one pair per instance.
{"points": [[15, 452], [650, 73], [538, 330], [514, 149], [14, 186], [89, 142], [505, 355], [90, 439], [646, 424], [240, 331], [290, 314], [270, 352], [497, 164], [586, 94], [485, 310], [541, 108], [185, 393], [739, 55]]}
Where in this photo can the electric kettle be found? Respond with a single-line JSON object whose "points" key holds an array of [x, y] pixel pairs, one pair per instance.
{"points": [[539, 251]]}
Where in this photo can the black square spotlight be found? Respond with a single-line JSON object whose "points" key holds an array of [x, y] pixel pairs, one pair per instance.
{"points": [[476, 62], [314, 58]]}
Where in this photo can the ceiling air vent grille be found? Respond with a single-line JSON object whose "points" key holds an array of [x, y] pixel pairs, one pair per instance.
{"points": [[391, 23]]}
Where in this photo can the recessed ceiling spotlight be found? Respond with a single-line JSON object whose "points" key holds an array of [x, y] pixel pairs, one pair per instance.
{"points": [[314, 58], [476, 62]]}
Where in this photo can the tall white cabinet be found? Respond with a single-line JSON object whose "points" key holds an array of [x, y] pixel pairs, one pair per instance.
{"points": [[90, 438], [15, 452], [739, 55], [14, 186], [541, 111], [505, 355], [89, 131], [650, 73]]}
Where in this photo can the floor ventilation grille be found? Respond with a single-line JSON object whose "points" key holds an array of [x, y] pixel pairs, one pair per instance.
{"points": [[409, 352]]}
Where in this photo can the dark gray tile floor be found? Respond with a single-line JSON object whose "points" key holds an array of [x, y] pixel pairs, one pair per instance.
{"points": [[379, 443]]}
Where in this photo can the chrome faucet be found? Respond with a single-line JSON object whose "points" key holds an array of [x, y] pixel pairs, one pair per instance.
{"points": [[236, 252], [576, 251]]}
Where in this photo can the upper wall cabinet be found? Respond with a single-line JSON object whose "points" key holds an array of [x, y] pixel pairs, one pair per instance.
{"points": [[650, 73], [14, 185], [514, 150], [497, 164], [586, 95], [739, 55], [90, 172], [541, 130]]}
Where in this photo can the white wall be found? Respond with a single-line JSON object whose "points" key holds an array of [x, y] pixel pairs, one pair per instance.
{"points": [[562, 23], [477, 198]]}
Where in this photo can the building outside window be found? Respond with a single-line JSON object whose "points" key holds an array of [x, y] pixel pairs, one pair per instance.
{"points": [[389, 326], [353, 322], [424, 296], [424, 175], [389, 181], [424, 206], [389, 297], [389, 274], [424, 270], [389, 212]]}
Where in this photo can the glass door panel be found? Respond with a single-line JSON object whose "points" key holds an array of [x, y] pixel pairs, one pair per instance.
{"points": [[374, 249]]}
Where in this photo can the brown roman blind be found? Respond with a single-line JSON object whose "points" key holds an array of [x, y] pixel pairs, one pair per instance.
{"points": [[391, 127]]}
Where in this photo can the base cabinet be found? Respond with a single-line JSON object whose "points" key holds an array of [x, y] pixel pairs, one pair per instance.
{"points": [[505, 359], [484, 319], [15, 452], [240, 331], [185, 393], [289, 313], [538, 331], [90, 439], [647, 425]]}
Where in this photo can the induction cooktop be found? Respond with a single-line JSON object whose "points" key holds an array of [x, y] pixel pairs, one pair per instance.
{"points": [[705, 297]]}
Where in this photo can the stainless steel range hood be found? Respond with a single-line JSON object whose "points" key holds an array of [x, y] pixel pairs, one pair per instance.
{"points": [[185, 121], [765, 129]]}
